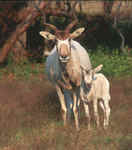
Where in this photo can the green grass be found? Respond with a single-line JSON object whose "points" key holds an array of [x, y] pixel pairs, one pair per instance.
{"points": [[24, 70], [114, 65]]}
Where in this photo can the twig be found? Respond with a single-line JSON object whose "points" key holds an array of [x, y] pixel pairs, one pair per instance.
{"points": [[117, 29]]}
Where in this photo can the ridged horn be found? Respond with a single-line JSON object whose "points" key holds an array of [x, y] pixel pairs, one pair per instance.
{"points": [[70, 26]]}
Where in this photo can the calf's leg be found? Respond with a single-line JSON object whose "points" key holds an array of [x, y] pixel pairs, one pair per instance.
{"points": [[86, 108]]}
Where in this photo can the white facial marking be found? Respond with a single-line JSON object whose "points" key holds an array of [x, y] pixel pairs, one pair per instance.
{"points": [[88, 77], [63, 42], [64, 60], [64, 53]]}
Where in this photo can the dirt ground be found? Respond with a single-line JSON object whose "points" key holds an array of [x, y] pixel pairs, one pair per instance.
{"points": [[30, 119]]}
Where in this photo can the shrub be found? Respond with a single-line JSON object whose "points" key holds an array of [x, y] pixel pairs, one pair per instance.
{"points": [[115, 64]]}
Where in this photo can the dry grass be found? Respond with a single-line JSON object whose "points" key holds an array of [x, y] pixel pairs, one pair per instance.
{"points": [[30, 119]]}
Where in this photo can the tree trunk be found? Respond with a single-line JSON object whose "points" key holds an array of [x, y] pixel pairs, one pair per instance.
{"points": [[22, 27], [116, 18], [19, 52]]}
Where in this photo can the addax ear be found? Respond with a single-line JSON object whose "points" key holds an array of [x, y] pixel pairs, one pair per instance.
{"points": [[97, 69], [84, 69], [47, 35], [76, 33]]}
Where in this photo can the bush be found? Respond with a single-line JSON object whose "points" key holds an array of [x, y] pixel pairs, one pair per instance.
{"points": [[114, 64]]}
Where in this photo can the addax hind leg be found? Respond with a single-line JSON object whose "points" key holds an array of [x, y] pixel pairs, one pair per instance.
{"points": [[69, 104], [101, 103], [96, 114], [87, 113], [106, 113]]}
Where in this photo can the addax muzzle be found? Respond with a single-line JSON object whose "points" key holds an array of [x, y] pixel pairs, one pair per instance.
{"points": [[64, 59]]}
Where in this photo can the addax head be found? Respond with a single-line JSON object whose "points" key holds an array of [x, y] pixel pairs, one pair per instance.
{"points": [[88, 75], [62, 40]]}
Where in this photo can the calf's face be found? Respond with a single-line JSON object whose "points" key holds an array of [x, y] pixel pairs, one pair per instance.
{"points": [[88, 75]]}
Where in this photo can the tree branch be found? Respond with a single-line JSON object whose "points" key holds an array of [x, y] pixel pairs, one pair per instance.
{"points": [[117, 29], [22, 27]]}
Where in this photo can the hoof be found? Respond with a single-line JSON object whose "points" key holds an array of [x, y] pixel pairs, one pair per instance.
{"points": [[105, 127], [89, 129], [78, 129]]}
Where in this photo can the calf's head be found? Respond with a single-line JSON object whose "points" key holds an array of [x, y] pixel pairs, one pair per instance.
{"points": [[62, 40], [88, 75]]}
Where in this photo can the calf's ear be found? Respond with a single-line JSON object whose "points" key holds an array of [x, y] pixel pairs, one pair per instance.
{"points": [[83, 68], [47, 35], [98, 68]]}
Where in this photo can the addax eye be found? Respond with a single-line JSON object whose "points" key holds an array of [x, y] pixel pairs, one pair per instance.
{"points": [[87, 71], [55, 41], [69, 40]]}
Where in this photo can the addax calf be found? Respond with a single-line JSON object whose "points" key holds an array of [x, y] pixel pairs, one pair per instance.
{"points": [[96, 88]]}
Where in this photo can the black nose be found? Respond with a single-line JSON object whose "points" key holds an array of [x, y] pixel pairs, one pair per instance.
{"points": [[64, 57]]}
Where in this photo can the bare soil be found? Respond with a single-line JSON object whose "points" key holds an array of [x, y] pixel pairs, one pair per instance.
{"points": [[30, 119]]}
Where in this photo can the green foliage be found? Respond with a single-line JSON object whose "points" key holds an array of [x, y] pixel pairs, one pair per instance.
{"points": [[114, 63], [24, 69]]}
